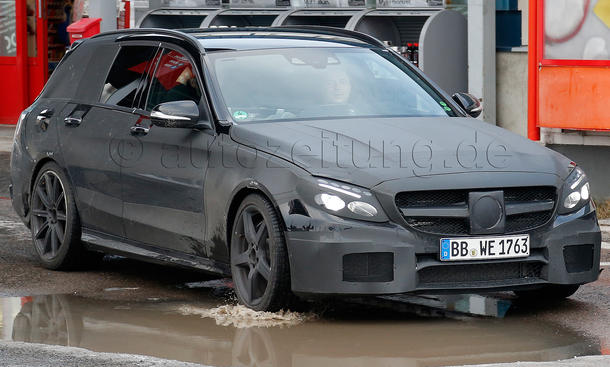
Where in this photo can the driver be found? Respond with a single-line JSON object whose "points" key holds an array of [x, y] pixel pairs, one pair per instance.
{"points": [[337, 86], [336, 94]]}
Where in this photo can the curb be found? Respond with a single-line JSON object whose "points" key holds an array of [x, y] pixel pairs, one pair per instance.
{"points": [[588, 361], [40, 355]]}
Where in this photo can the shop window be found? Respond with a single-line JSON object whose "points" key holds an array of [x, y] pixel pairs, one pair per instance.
{"points": [[175, 80], [577, 30], [124, 78], [60, 14], [31, 28], [8, 28]]}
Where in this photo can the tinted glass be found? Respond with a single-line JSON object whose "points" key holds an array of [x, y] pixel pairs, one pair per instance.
{"points": [[81, 73], [302, 83], [124, 77], [8, 29], [175, 79]]}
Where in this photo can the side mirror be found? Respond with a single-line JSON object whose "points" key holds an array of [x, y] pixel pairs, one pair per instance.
{"points": [[177, 114], [469, 103]]}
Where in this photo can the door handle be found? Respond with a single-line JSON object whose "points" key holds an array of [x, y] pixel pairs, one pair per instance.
{"points": [[139, 130], [42, 118], [44, 114], [73, 121]]}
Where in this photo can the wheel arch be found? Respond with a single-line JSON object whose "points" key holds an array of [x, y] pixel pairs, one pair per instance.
{"points": [[37, 167], [239, 194]]}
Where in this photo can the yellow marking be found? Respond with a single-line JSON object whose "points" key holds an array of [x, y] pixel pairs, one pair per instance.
{"points": [[602, 10]]}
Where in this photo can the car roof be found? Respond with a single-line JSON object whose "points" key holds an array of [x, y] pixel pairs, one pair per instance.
{"points": [[252, 38], [279, 37]]}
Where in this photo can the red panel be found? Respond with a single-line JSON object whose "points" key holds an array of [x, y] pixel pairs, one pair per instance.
{"points": [[23, 77], [533, 132], [566, 94], [574, 97], [9, 106]]}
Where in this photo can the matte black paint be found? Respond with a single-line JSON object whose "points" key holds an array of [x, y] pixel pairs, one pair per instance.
{"points": [[168, 195]]}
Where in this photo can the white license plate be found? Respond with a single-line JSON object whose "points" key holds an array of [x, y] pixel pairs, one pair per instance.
{"points": [[482, 248]]}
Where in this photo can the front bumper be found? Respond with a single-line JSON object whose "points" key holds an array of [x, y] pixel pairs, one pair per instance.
{"points": [[335, 256]]}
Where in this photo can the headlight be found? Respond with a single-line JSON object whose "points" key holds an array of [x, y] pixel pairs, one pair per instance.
{"points": [[345, 200], [330, 202], [362, 208], [576, 192]]}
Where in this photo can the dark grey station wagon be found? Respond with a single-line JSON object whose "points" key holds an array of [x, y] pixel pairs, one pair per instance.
{"points": [[298, 160]]}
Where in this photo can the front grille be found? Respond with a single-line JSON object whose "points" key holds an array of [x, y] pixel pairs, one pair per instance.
{"points": [[439, 225], [424, 199], [525, 221], [479, 273], [456, 199]]}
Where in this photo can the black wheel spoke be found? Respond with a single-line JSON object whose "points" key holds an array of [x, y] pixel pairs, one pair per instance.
{"points": [[42, 231], [249, 285], [59, 230], [249, 229], [61, 216], [60, 198], [49, 183], [263, 268], [40, 213], [54, 241], [47, 241], [261, 234], [43, 197], [241, 259]]}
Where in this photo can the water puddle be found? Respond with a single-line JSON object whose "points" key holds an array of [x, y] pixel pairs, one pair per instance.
{"points": [[388, 331]]}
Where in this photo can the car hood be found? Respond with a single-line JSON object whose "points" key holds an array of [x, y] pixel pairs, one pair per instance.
{"points": [[368, 151]]}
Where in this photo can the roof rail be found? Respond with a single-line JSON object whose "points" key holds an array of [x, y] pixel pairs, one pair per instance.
{"points": [[313, 29], [185, 34], [146, 33]]}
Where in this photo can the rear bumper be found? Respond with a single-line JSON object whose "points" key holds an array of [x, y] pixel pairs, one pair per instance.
{"points": [[349, 257]]}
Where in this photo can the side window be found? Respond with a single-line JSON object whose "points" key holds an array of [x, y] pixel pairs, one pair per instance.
{"points": [[174, 80], [124, 76]]}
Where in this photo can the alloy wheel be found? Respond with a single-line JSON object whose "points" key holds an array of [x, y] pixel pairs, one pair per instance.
{"points": [[251, 259], [49, 215]]}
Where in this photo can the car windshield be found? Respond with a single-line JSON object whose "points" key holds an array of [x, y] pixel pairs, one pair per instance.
{"points": [[318, 83]]}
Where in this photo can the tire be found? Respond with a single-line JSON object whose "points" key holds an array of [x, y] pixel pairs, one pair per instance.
{"points": [[259, 258], [549, 293], [54, 221]]}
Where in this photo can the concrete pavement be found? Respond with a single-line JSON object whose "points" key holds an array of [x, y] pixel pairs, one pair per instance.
{"points": [[6, 138], [14, 354]]}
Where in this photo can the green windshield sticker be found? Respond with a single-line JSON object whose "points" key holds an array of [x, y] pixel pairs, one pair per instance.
{"points": [[240, 115], [443, 104], [448, 109]]}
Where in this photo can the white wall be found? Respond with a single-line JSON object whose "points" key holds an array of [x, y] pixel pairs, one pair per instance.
{"points": [[511, 91]]}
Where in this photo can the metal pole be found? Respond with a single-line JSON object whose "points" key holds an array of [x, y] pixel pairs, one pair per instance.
{"points": [[533, 131], [22, 53], [105, 9], [482, 55]]}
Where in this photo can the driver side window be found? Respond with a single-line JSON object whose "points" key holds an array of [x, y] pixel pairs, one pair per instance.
{"points": [[175, 79]]}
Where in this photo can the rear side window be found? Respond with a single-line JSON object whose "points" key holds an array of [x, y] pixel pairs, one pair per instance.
{"points": [[124, 77], [82, 72]]}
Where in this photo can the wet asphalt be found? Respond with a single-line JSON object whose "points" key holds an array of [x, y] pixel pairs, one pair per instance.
{"points": [[126, 306]]}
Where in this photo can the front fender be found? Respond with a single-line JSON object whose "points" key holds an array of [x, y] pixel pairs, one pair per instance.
{"points": [[240, 171]]}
